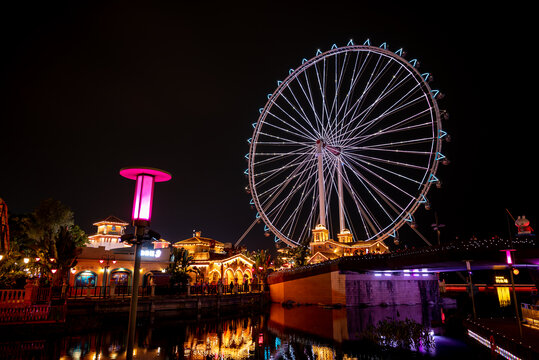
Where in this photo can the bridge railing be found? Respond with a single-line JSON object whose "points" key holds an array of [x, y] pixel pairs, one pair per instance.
{"points": [[530, 314]]}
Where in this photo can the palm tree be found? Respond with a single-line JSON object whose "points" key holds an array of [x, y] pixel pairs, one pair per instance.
{"points": [[262, 259], [180, 267]]}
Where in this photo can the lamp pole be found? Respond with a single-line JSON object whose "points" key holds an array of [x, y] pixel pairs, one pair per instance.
{"points": [[509, 260], [469, 268], [142, 212]]}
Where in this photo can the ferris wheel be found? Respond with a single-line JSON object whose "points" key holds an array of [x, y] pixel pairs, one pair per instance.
{"points": [[349, 141]]}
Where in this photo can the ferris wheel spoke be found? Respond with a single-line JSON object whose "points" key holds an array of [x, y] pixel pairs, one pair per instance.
{"points": [[373, 79], [380, 195], [367, 110], [322, 88], [383, 180], [292, 219], [312, 135], [278, 209], [305, 117], [338, 82], [299, 167], [361, 129], [283, 139], [389, 171], [310, 100], [275, 191], [386, 161], [393, 128], [297, 132], [395, 107], [355, 77], [368, 219]]}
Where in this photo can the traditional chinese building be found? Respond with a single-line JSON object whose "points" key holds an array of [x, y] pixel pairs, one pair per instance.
{"points": [[106, 261], [108, 233], [323, 248], [216, 261]]}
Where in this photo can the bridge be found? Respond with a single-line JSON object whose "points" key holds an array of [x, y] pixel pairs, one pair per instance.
{"points": [[408, 276]]}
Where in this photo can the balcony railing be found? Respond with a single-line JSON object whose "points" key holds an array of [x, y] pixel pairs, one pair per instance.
{"points": [[530, 314]]}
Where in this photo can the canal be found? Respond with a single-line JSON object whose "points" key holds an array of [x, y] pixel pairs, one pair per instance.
{"points": [[277, 332]]}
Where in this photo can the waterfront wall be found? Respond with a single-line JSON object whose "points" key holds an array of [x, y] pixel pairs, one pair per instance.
{"points": [[164, 303], [356, 289]]}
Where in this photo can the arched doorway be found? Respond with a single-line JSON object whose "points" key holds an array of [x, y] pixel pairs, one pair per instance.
{"points": [[214, 277], [229, 277], [239, 277]]}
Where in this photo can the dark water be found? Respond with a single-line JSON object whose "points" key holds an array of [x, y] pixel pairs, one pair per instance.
{"points": [[310, 332]]}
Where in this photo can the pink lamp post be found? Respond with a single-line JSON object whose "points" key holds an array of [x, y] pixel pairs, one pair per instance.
{"points": [[509, 260], [142, 213]]}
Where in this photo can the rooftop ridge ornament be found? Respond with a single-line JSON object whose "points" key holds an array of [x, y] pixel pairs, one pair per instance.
{"points": [[400, 52], [414, 62], [350, 43], [367, 42], [334, 46], [318, 52], [383, 46]]}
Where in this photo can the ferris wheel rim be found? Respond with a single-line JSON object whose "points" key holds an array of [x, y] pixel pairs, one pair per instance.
{"points": [[432, 164]]}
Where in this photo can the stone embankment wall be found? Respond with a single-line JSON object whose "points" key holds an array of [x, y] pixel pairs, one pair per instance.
{"points": [[357, 289]]}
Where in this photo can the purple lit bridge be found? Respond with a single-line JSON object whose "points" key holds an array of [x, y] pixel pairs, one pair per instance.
{"points": [[407, 277]]}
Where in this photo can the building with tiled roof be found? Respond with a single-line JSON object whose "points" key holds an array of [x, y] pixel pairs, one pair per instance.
{"points": [[216, 262], [109, 231]]}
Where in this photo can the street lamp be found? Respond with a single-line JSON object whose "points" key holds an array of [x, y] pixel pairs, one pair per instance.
{"points": [[142, 213], [105, 263]]}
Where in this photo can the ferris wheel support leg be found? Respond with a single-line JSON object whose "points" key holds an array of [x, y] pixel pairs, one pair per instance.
{"points": [[341, 199], [321, 191], [421, 236]]}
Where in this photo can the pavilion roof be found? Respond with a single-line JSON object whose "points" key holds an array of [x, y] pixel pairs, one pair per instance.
{"points": [[111, 220]]}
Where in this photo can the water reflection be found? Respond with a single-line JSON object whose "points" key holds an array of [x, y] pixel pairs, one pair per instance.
{"points": [[307, 332]]}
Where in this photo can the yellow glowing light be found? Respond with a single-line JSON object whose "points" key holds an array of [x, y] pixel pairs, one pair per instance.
{"points": [[504, 297], [501, 280], [26, 260], [516, 272]]}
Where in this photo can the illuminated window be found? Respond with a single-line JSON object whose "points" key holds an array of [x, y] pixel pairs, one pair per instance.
{"points": [[86, 279]]}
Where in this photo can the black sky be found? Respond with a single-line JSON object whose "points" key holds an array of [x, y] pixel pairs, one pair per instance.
{"points": [[90, 87]]}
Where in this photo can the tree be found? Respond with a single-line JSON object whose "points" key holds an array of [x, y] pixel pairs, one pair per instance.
{"points": [[47, 238], [299, 254], [180, 267], [68, 243], [262, 259]]}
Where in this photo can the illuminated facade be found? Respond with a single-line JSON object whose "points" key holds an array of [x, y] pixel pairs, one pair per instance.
{"points": [[98, 266], [216, 262], [108, 233], [106, 261], [323, 248]]}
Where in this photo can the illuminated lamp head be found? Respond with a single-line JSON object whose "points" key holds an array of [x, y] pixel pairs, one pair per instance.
{"points": [[508, 256], [142, 202]]}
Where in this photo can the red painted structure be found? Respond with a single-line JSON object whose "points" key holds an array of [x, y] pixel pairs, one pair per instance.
{"points": [[4, 228]]}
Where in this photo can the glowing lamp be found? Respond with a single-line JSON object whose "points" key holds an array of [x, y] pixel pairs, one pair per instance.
{"points": [[145, 178], [101, 261], [73, 270], [508, 257], [53, 271], [26, 260]]}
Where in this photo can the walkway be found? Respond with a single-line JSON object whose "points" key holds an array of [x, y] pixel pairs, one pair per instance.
{"points": [[505, 334]]}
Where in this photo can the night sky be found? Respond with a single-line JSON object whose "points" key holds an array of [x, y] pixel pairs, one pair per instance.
{"points": [[90, 87]]}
